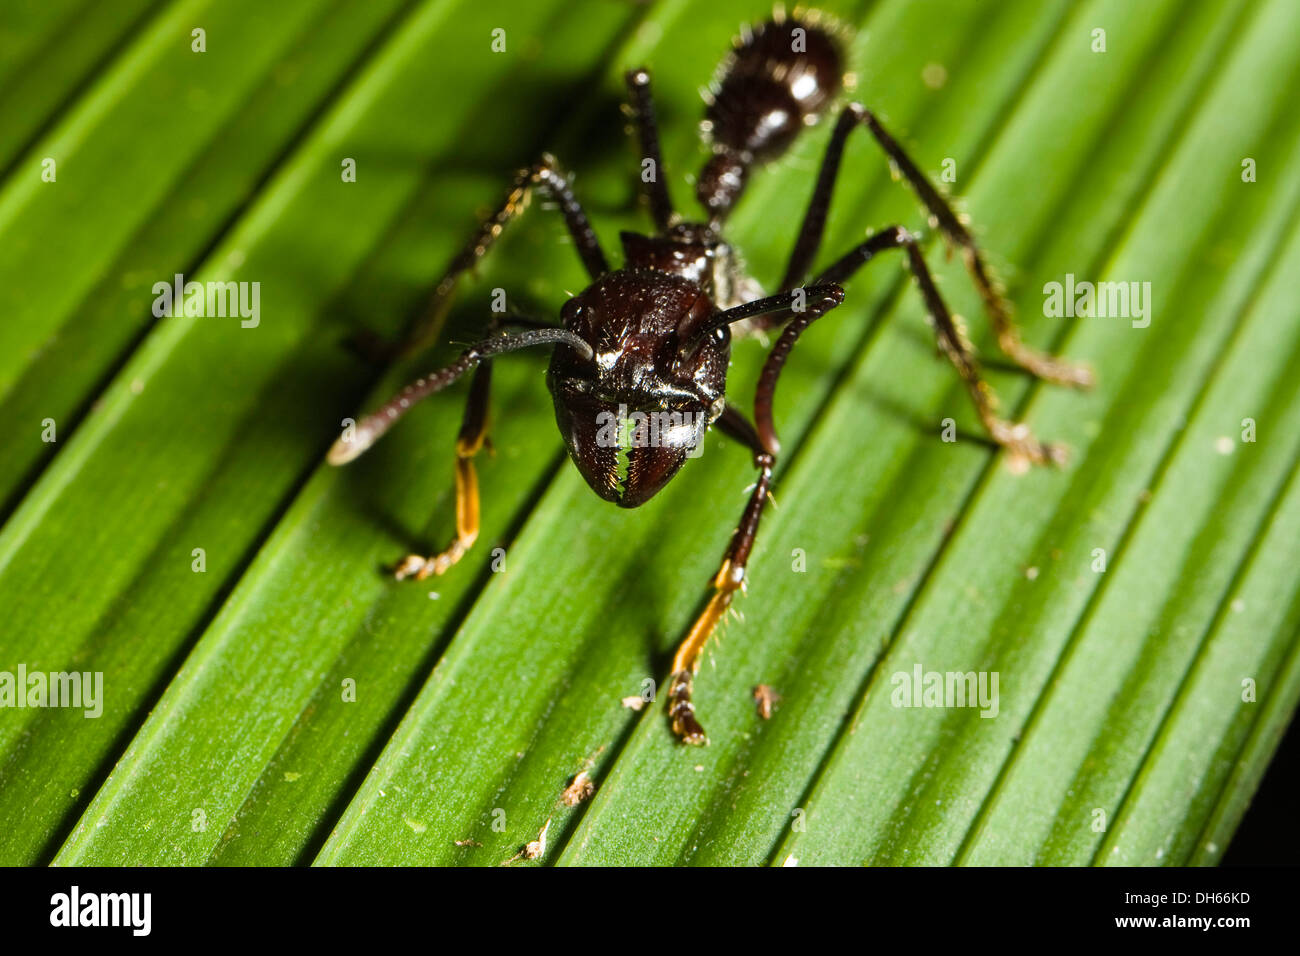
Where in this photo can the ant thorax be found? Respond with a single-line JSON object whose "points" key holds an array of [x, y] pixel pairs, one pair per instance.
{"points": [[693, 251], [732, 285]]}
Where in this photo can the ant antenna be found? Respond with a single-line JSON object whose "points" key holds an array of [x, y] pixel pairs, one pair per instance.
{"points": [[371, 428], [816, 298]]}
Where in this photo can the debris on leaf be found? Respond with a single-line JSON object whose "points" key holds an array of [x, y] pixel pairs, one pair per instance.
{"points": [[766, 698], [532, 850], [535, 849], [579, 790], [635, 702]]}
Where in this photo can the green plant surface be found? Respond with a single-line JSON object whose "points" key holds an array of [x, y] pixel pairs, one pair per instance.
{"points": [[49, 51], [194, 459], [272, 696], [999, 604], [175, 200]]}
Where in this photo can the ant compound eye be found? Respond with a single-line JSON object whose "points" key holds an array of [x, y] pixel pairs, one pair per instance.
{"points": [[720, 334]]}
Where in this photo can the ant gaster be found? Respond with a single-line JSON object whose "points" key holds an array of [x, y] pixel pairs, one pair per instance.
{"points": [[654, 337]]}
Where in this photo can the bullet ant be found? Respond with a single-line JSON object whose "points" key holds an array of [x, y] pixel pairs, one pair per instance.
{"points": [[655, 335]]}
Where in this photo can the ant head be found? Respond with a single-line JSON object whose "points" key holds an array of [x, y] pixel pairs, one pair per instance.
{"points": [[634, 412], [628, 452]]}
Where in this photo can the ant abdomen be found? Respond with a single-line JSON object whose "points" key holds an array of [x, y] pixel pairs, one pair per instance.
{"points": [[781, 76]]}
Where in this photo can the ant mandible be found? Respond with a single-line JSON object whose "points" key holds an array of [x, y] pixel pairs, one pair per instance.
{"points": [[655, 336]]}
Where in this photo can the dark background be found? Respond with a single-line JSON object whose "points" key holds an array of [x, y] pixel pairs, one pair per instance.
{"points": [[1270, 830]]}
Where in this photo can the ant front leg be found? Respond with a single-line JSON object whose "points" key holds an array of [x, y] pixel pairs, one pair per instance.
{"points": [[1015, 437], [942, 215], [359, 438], [544, 174], [473, 433], [470, 439], [729, 579]]}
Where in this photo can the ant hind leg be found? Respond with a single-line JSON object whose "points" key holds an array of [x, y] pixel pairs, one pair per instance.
{"points": [[1015, 437], [943, 217], [1047, 367]]}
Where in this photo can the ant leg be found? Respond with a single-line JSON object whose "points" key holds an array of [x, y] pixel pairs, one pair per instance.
{"points": [[643, 111], [729, 579], [470, 439], [814, 220], [949, 223], [473, 430], [545, 174], [1047, 367], [1015, 437], [473, 433]]}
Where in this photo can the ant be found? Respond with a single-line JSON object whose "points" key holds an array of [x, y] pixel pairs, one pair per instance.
{"points": [[655, 335]]}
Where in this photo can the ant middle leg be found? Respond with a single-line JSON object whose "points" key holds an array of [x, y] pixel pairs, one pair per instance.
{"points": [[642, 109], [1015, 437], [1047, 367], [729, 579], [545, 174]]}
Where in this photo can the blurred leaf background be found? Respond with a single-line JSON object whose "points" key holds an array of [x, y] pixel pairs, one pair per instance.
{"points": [[182, 535]]}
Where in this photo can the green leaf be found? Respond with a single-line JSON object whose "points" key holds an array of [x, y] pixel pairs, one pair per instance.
{"points": [[271, 696]]}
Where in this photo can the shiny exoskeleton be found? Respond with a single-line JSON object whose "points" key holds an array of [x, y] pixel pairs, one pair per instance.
{"points": [[659, 371], [639, 368]]}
